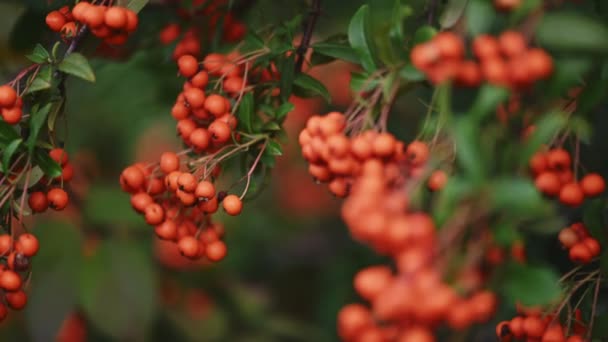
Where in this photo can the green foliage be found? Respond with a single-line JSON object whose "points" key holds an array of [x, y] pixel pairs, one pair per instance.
{"points": [[574, 33], [359, 37], [530, 285], [77, 65]]}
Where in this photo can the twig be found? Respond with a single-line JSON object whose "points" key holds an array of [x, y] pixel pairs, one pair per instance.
{"points": [[253, 167], [594, 306], [309, 27]]}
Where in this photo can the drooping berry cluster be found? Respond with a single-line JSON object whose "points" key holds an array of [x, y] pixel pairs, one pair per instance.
{"points": [[112, 24], [10, 105], [506, 60], [51, 193], [531, 324], [554, 177], [582, 247], [190, 42]]}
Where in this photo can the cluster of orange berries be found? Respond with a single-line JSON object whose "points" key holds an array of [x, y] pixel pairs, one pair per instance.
{"points": [[532, 326], [582, 247], [112, 24], [56, 197], [506, 60], [553, 176], [10, 105], [17, 254], [190, 43], [372, 171], [337, 159], [179, 205], [204, 119]]}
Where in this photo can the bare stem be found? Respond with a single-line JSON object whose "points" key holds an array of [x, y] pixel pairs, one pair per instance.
{"points": [[309, 28]]}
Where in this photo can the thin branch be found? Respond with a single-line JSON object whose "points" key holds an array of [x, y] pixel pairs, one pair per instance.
{"points": [[309, 28]]}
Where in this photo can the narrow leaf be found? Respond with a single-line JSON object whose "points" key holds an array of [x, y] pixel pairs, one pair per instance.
{"points": [[573, 32], [37, 120], [42, 81], [9, 152], [359, 38], [313, 85], [77, 65]]}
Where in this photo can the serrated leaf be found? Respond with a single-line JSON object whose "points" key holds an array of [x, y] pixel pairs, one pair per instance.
{"points": [[287, 71], [9, 152], [337, 51], [274, 148], [313, 85], [36, 121], [50, 167], [573, 32], [42, 81], [245, 112], [39, 55], [452, 13], [77, 65], [530, 285], [359, 38]]}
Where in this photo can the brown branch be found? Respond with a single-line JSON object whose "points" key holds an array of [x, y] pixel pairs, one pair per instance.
{"points": [[309, 27]]}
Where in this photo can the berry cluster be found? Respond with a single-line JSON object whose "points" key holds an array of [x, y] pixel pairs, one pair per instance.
{"points": [[505, 61], [553, 176], [190, 42], [112, 24], [582, 248], [10, 105], [18, 253], [373, 170], [530, 325], [56, 197]]}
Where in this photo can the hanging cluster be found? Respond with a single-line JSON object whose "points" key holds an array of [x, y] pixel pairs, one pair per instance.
{"points": [[113, 24], [506, 60], [533, 325], [10, 105], [582, 247], [554, 177], [189, 39]]}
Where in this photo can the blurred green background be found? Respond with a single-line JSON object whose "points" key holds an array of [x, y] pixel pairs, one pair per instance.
{"points": [[290, 263]]}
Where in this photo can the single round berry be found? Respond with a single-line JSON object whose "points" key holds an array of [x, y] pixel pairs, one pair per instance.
{"points": [[215, 105], [571, 195], [200, 138], [38, 202], [195, 97], [548, 183], [593, 184], [187, 182], [27, 244], [10, 281], [204, 190], [187, 65], [154, 214], [134, 177], [169, 162], [437, 180], [188, 246], [94, 16], [12, 115], [8, 96], [59, 155], [232, 205], [58, 199], [16, 300], [166, 230], [116, 17], [55, 20], [220, 132], [216, 251]]}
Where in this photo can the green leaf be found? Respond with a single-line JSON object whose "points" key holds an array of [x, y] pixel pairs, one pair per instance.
{"points": [[271, 126], [573, 32], [593, 218], [424, 33], [50, 167], [283, 110], [411, 73], [516, 197], [136, 5], [522, 11], [77, 65], [287, 71], [593, 94], [42, 81], [452, 13], [530, 285], [312, 85], [480, 15], [337, 51], [399, 13], [7, 133], [466, 137], [119, 275], [456, 190], [253, 42], [245, 112], [36, 122], [487, 100], [103, 196], [9, 152], [39, 55], [505, 233], [58, 263], [359, 38], [568, 72], [360, 82], [546, 128], [274, 148], [581, 128]]}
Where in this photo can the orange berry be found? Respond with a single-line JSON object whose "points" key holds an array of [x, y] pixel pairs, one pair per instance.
{"points": [[372, 281], [213, 63], [548, 183], [188, 246], [216, 251], [16, 300], [220, 132], [116, 17], [534, 327], [494, 69], [57, 198], [27, 244], [450, 45], [539, 63], [215, 105], [94, 16], [417, 153], [140, 201], [485, 47], [516, 326], [10, 280], [469, 74], [204, 190], [169, 162], [154, 214], [187, 65], [352, 320], [38, 202], [12, 115], [166, 230], [572, 195], [59, 155], [593, 245], [79, 9], [200, 80], [579, 253], [437, 180], [425, 55], [593, 184], [538, 163], [55, 21], [133, 177], [559, 159], [512, 43], [132, 20], [568, 237], [232, 205], [200, 138], [186, 182], [233, 85]]}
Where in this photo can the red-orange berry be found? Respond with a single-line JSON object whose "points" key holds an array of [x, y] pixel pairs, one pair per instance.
{"points": [[593, 184], [568, 237], [55, 20], [372, 281], [450, 45], [200, 138], [57, 198], [132, 21], [154, 214], [572, 195], [79, 10], [187, 65], [437, 180], [140, 201], [485, 47], [579, 253], [200, 80], [417, 153], [195, 97], [220, 132], [512, 43], [133, 177], [188, 246], [559, 159], [16, 300], [187, 182], [8, 96], [12, 115], [6, 241], [215, 105], [548, 183], [38, 202], [94, 16], [27, 244], [116, 17], [232, 205], [169, 162], [166, 230], [10, 280], [216, 251], [204, 190], [59, 155]]}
